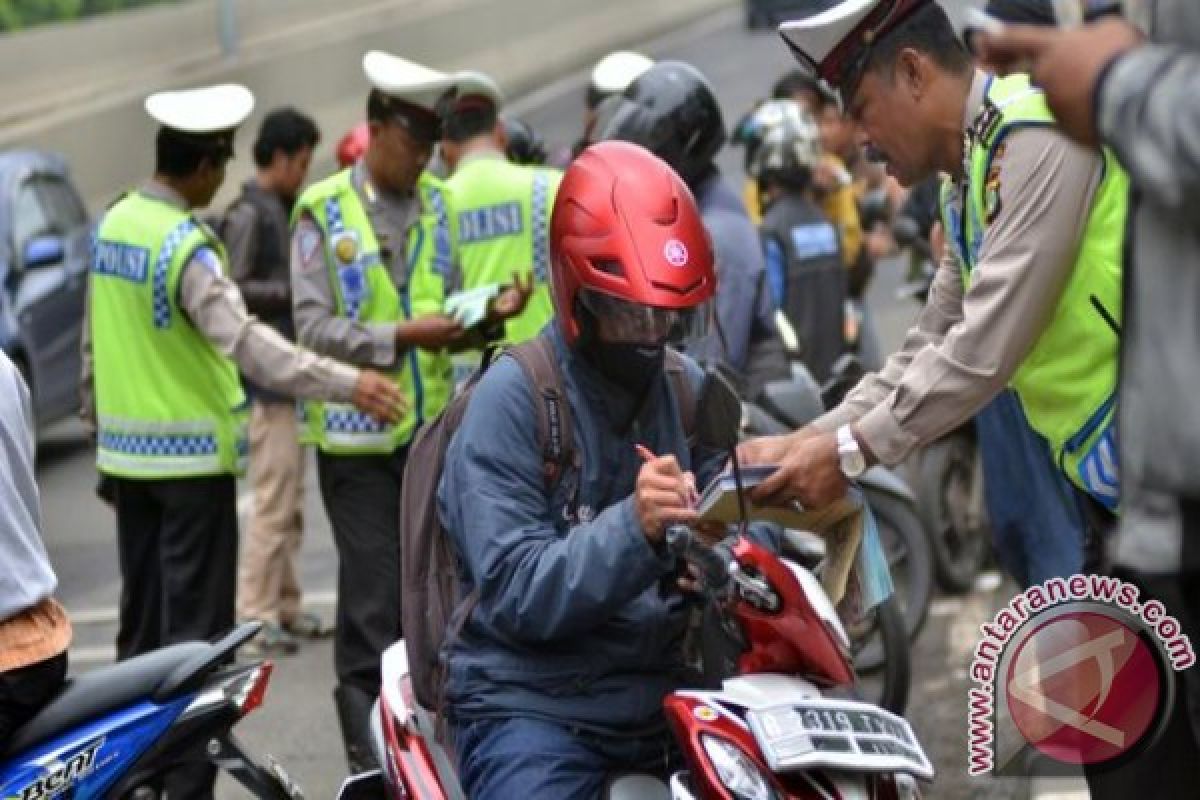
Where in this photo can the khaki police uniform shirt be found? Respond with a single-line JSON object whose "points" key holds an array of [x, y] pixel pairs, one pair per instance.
{"points": [[314, 307], [214, 305], [965, 346]]}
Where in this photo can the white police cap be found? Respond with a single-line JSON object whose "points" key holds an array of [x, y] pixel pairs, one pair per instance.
{"points": [[471, 84], [406, 80], [833, 41], [210, 109], [616, 71]]}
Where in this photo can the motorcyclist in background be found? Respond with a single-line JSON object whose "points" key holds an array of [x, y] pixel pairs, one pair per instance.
{"points": [[802, 248], [670, 109]]}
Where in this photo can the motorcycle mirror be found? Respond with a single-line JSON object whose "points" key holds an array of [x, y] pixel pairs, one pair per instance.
{"points": [[718, 412]]}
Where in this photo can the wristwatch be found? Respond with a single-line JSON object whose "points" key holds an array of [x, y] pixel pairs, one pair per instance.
{"points": [[850, 456]]}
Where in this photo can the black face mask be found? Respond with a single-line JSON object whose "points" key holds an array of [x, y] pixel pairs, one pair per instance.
{"points": [[633, 367]]}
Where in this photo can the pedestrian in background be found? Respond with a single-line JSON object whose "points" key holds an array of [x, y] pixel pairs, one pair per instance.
{"points": [[256, 232]]}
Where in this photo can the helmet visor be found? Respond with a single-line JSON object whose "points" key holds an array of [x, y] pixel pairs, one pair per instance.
{"points": [[625, 322]]}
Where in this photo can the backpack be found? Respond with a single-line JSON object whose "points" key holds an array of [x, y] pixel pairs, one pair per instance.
{"points": [[432, 608]]}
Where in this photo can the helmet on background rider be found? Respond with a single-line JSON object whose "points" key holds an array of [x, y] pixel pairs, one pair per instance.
{"points": [[352, 146], [631, 260], [613, 73], [783, 144], [670, 110], [524, 144]]}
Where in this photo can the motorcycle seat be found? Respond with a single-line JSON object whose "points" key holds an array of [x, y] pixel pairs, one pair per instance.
{"points": [[104, 690]]}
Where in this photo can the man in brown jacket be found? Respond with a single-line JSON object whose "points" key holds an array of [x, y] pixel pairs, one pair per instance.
{"points": [[256, 232]]}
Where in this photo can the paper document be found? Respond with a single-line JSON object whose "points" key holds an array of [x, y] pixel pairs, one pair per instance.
{"points": [[470, 306]]}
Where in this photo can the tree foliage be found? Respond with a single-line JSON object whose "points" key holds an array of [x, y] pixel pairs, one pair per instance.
{"points": [[16, 15]]}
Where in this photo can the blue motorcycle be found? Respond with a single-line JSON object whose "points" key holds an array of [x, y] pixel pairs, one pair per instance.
{"points": [[112, 731]]}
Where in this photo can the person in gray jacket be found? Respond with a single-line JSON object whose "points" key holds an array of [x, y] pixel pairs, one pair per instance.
{"points": [[1132, 85], [34, 629]]}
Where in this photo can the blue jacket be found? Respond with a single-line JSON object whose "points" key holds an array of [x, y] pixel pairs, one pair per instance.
{"points": [[570, 625], [744, 308]]}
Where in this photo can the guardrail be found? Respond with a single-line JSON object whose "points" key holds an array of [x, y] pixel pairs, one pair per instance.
{"points": [[90, 109]]}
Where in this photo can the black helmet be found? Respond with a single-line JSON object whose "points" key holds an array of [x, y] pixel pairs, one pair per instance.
{"points": [[671, 110], [525, 145]]}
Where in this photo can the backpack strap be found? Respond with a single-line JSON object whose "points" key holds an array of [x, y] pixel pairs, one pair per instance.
{"points": [[540, 364], [681, 387]]}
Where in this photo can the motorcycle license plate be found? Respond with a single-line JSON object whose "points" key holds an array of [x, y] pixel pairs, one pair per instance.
{"points": [[837, 734]]}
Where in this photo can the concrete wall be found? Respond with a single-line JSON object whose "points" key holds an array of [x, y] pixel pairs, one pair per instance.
{"points": [[314, 64]]}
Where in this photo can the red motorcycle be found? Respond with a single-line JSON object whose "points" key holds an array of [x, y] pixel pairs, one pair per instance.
{"points": [[780, 728]]}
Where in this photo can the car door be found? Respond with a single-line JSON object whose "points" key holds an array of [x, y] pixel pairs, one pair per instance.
{"points": [[49, 290]]}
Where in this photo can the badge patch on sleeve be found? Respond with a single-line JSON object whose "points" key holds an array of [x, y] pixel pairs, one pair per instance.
{"points": [[310, 240], [991, 195], [208, 257]]}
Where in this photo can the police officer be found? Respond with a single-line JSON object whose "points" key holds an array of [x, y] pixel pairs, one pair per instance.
{"points": [[372, 258], [502, 210], [610, 76], [801, 244], [1029, 292], [166, 335]]}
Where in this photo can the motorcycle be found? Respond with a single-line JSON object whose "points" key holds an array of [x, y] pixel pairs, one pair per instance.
{"points": [[776, 727], [776, 730], [110, 732], [948, 473]]}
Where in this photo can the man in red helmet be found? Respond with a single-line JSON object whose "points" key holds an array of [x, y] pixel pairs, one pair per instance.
{"points": [[557, 677]]}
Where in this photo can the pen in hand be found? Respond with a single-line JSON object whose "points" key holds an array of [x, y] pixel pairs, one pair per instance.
{"points": [[647, 455]]}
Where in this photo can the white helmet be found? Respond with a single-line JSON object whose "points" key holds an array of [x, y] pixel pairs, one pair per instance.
{"points": [[613, 73], [782, 141]]}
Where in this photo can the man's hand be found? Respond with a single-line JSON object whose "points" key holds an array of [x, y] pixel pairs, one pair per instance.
{"points": [[1066, 64], [810, 473], [772, 449], [511, 302], [433, 332], [379, 396], [663, 496]]}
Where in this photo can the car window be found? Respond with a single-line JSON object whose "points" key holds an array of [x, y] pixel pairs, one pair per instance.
{"points": [[45, 204]]}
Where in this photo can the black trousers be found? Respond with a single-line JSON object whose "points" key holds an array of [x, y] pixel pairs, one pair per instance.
{"points": [[24, 692], [362, 498], [1170, 768], [177, 540]]}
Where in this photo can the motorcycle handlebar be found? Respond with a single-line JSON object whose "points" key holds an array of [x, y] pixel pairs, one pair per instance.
{"points": [[713, 562]]}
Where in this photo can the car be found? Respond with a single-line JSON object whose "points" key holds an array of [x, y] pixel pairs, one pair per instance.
{"points": [[45, 253], [769, 13]]}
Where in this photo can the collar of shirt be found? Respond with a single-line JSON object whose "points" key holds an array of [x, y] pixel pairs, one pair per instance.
{"points": [[483, 153], [391, 214], [156, 190]]}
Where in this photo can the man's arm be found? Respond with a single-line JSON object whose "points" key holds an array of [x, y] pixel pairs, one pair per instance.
{"points": [[1046, 184], [535, 584], [1148, 110], [240, 232], [214, 305], [87, 368], [941, 312], [314, 310]]}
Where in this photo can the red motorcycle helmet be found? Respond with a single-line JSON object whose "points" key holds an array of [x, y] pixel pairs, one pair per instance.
{"points": [[353, 144], [628, 242]]}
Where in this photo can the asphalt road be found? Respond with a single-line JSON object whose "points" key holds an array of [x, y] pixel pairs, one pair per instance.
{"points": [[297, 724]]}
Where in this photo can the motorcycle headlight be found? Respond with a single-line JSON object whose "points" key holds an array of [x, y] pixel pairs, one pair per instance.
{"points": [[737, 772]]}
